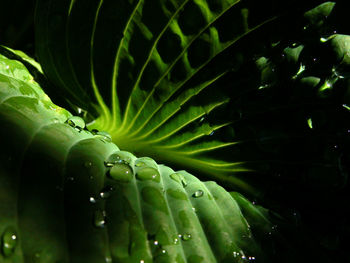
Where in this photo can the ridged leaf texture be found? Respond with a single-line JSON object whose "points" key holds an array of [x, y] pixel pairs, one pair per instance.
{"points": [[70, 195], [150, 72]]}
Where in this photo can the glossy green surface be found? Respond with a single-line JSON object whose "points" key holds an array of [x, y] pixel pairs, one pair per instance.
{"points": [[69, 196], [151, 72]]}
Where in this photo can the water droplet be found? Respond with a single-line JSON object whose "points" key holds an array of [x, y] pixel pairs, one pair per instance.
{"points": [[104, 136], [112, 160], [142, 261], [94, 131], [99, 219], [140, 163], [8, 242], [121, 172], [186, 237], [7, 67], [176, 241], [76, 122], [179, 178], [176, 177], [78, 129], [309, 123], [198, 193], [106, 192], [108, 259], [92, 200], [148, 173]]}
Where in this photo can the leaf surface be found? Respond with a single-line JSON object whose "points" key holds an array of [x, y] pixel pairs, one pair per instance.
{"points": [[152, 71], [68, 195]]}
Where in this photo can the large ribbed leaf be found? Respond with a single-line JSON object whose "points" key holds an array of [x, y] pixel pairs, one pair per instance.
{"points": [[151, 72], [67, 195]]}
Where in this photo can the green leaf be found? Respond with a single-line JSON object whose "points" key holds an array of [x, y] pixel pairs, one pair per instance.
{"points": [[152, 71], [319, 14], [69, 195]]}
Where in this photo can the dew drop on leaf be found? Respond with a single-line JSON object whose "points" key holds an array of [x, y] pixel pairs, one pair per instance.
{"points": [[106, 192], [92, 200], [140, 163], [179, 178], [94, 131], [121, 172], [105, 136], [148, 173], [8, 242], [99, 219], [76, 122], [176, 177], [112, 160], [198, 193], [186, 237]]}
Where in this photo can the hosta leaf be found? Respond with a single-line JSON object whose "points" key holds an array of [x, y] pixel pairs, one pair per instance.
{"points": [[69, 195], [152, 71]]}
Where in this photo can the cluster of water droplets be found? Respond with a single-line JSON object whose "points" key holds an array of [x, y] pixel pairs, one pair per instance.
{"points": [[120, 169], [179, 178], [76, 122], [9, 242]]}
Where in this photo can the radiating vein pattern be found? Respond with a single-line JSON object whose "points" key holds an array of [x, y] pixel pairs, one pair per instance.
{"points": [[153, 69]]}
